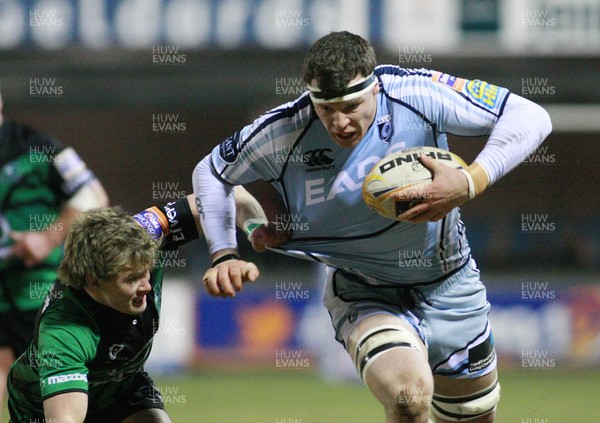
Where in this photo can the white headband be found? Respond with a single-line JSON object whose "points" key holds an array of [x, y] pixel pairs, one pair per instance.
{"points": [[360, 87]]}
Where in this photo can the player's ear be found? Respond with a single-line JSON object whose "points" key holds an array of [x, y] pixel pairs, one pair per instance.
{"points": [[91, 282], [376, 89]]}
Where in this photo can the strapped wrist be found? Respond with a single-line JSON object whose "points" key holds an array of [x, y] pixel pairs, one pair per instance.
{"points": [[224, 258], [251, 224], [480, 176], [470, 182]]}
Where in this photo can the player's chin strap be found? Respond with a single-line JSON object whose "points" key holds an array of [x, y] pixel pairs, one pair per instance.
{"points": [[468, 407]]}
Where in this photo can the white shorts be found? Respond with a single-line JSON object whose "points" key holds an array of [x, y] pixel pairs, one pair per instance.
{"points": [[450, 317]]}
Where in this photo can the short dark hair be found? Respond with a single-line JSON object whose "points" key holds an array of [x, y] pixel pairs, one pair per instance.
{"points": [[336, 59]]}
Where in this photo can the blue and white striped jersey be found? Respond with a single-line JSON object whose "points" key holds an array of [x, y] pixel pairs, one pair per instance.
{"points": [[321, 182]]}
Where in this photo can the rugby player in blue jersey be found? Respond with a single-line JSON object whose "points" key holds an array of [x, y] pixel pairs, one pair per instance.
{"points": [[405, 298]]}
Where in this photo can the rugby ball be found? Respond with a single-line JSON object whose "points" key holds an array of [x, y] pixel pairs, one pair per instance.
{"points": [[400, 171]]}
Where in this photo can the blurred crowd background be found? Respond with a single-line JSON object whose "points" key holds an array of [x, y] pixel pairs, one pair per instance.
{"points": [[143, 89]]}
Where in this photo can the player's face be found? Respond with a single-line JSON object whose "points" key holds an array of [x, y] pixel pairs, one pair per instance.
{"points": [[348, 121], [127, 292]]}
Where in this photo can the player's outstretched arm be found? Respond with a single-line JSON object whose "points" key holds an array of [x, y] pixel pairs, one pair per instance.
{"points": [[176, 214], [70, 407]]}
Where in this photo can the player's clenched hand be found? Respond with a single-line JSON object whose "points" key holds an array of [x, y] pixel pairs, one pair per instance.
{"points": [[267, 236], [449, 189], [226, 278]]}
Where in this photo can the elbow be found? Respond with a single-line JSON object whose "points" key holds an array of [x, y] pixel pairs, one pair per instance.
{"points": [[202, 166], [202, 172], [544, 121]]}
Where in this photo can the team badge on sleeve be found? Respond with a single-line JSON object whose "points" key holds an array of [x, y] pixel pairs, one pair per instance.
{"points": [[482, 93], [229, 149]]}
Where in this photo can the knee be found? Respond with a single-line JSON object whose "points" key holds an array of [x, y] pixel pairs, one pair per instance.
{"points": [[411, 402]]}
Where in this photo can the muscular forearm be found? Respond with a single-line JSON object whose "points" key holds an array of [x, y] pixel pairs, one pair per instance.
{"points": [[249, 213]]}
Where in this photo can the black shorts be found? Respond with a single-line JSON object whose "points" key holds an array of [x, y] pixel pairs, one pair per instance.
{"points": [[16, 330], [142, 395]]}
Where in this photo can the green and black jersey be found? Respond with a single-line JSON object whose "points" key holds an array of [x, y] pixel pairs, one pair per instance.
{"points": [[37, 176], [82, 345]]}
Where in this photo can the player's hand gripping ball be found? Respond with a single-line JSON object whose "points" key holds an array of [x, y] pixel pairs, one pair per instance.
{"points": [[401, 171]]}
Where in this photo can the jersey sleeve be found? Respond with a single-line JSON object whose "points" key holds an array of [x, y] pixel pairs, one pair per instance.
{"points": [[68, 172], [62, 355], [453, 105], [71, 171], [258, 150], [515, 126]]}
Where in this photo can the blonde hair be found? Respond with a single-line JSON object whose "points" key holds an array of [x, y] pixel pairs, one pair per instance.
{"points": [[102, 243]]}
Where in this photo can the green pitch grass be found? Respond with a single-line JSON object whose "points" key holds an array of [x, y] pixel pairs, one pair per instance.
{"points": [[528, 396], [544, 396]]}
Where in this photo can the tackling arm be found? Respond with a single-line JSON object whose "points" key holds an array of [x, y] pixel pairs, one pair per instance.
{"points": [[216, 209], [70, 407], [216, 203]]}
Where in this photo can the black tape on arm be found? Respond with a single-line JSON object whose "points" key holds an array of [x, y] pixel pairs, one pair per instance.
{"points": [[182, 224]]}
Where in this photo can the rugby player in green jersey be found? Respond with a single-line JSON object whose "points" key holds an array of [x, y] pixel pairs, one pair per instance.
{"points": [[95, 328], [43, 188]]}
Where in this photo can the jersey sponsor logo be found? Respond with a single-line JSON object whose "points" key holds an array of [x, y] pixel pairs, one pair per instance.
{"points": [[149, 220], [384, 125], [457, 84], [481, 356], [483, 93], [53, 380], [413, 159], [176, 229], [317, 191], [145, 393], [318, 159], [229, 149]]}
